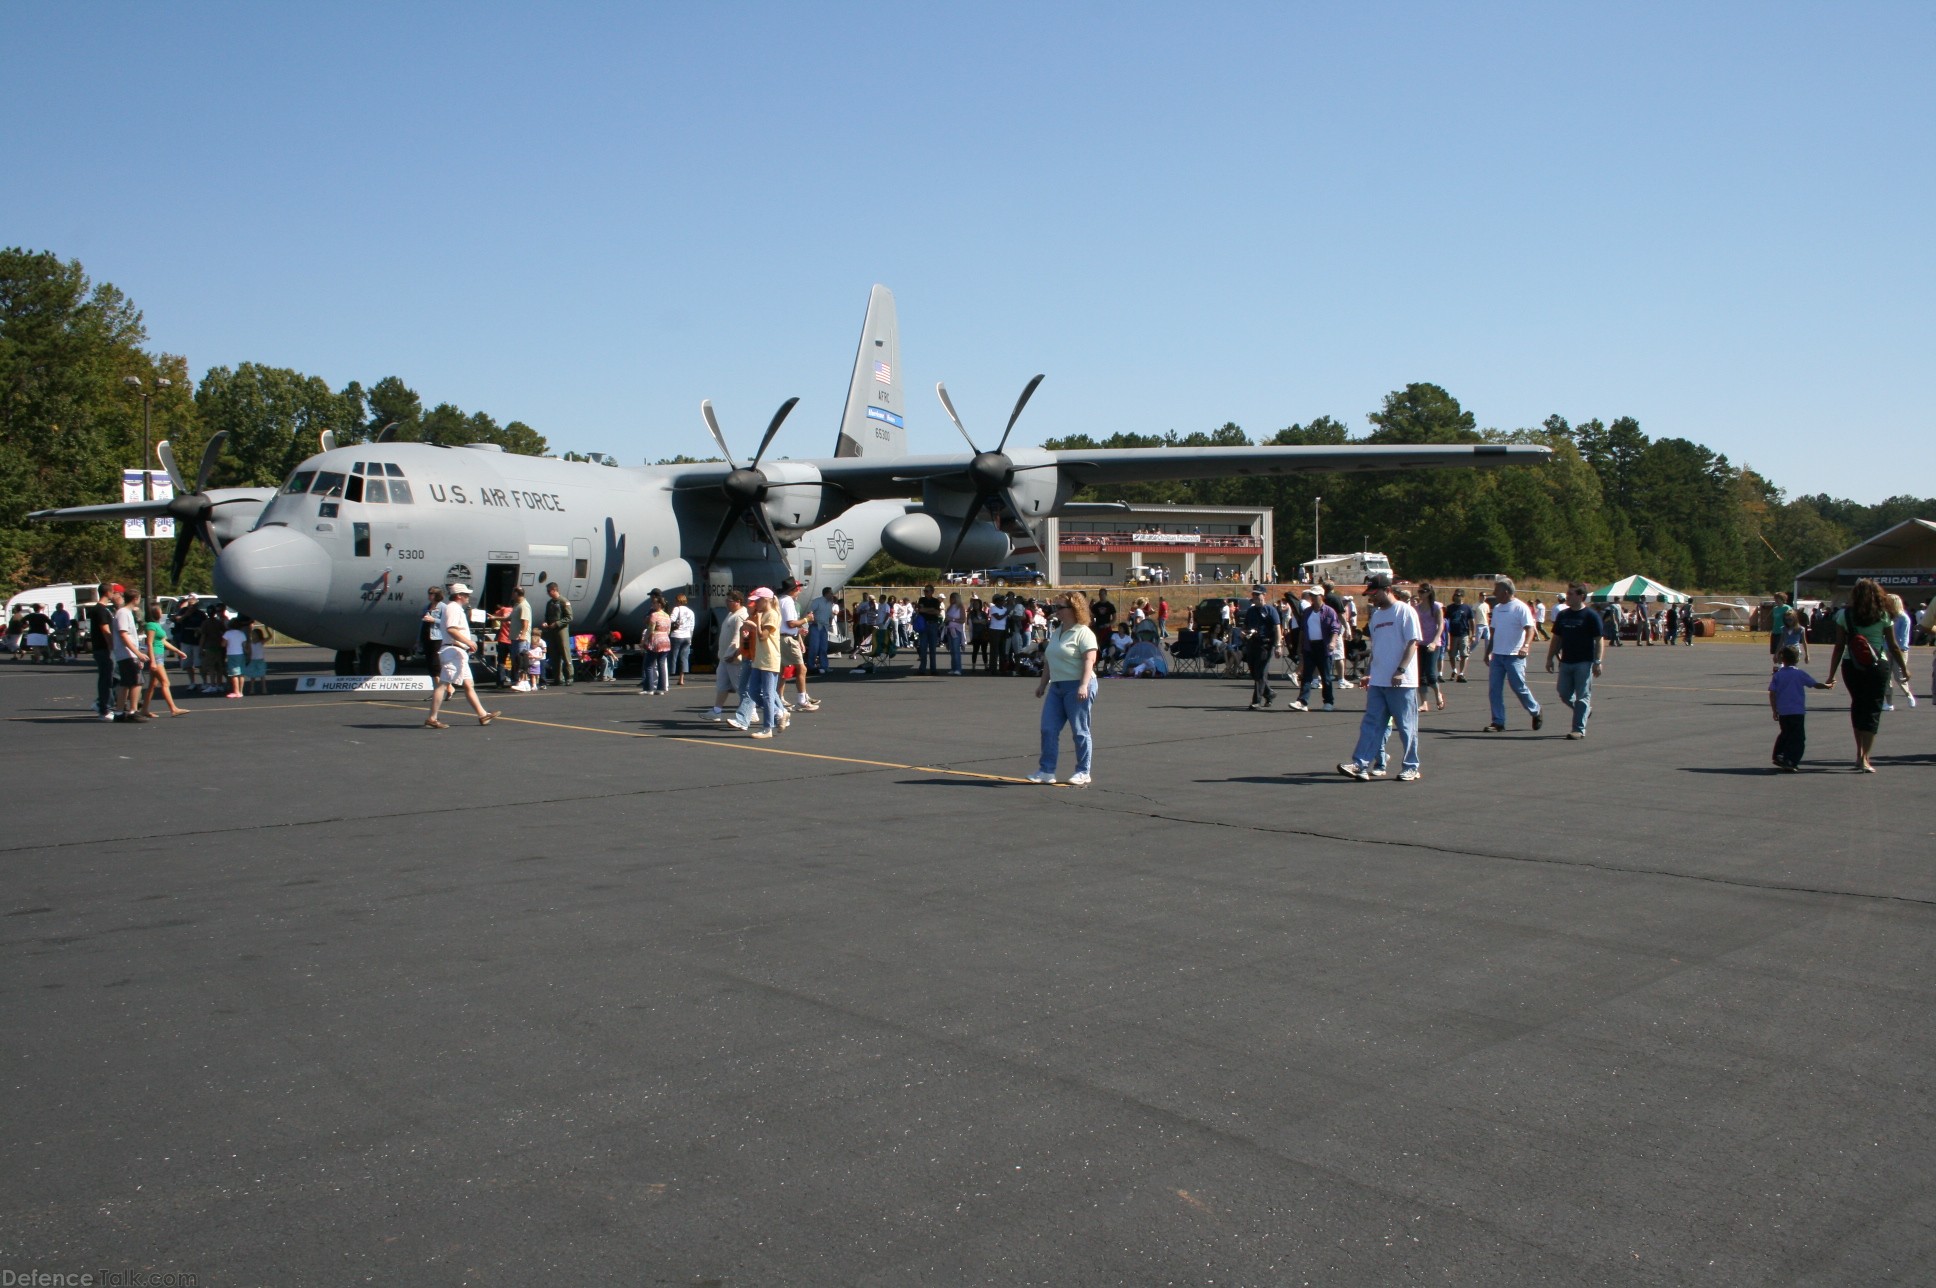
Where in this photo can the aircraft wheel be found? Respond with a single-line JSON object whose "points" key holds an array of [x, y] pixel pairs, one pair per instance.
{"points": [[346, 662], [379, 659]]}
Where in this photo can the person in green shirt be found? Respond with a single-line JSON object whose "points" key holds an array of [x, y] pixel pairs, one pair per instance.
{"points": [[154, 635], [1067, 688], [1862, 632]]}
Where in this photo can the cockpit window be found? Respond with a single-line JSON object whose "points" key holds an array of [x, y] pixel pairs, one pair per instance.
{"points": [[393, 469], [399, 491], [298, 483], [328, 483], [357, 468], [374, 492], [353, 490]]}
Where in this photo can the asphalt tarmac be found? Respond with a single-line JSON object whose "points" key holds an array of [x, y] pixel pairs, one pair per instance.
{"points": [[300, 992]]}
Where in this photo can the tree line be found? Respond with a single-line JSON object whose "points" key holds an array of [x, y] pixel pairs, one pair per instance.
{"points": [[69, 423], [1611, 501]]}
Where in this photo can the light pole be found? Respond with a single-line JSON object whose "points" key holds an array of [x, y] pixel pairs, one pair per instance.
{"points": [[147, 480], [1317, 540]]}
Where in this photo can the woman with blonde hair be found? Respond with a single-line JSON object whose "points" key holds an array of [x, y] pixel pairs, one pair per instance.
{"points": [[1067, 688], [763, 678], [1865, 649]]}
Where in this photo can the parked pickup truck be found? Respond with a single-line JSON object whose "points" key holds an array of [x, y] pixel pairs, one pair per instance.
{"points": [[1016, 575]]}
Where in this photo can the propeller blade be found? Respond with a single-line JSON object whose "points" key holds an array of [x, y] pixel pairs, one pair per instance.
{"points": [[967, 522], [1027, 393], [184, 542], [725, 531], [773, 429], [712, 423], [765, 526], [948, 406], [166, 451], [211, 453]]}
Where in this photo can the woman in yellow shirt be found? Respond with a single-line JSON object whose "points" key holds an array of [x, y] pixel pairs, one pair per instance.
{"points": [[763, 681]]}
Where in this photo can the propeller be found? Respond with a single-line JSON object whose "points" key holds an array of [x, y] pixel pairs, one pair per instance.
{"points": [[191, 507], [746, 487], [991, 474]]}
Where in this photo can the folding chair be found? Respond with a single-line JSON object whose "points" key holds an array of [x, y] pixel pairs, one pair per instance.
{"points": [[1186, 655]]}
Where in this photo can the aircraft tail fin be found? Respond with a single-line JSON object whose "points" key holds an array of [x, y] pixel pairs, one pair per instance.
{"points": [[874, 423]]}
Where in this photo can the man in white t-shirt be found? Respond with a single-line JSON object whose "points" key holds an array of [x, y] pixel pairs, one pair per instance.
{"points": [[792, 654], [454, 659], [1512, 640], [126, 649], [1391, 697]]}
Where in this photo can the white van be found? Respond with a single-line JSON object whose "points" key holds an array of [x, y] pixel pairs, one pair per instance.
{"points": [[71, 594]]}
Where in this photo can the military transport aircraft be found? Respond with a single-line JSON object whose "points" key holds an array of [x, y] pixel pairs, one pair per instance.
{"points": [[342, 554]]}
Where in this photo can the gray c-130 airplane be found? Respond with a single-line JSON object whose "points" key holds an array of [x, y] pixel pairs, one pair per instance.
{"points": [[343, 553]]}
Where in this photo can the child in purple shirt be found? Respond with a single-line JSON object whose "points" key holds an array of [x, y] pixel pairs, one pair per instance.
{"points": [[1788, 699]]}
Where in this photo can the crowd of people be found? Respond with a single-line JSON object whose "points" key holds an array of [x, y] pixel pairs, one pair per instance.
{"points": [[134, 647], [1403, 647]]}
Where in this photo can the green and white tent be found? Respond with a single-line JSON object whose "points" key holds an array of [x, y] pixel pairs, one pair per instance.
{"points": [[1637, 587]]}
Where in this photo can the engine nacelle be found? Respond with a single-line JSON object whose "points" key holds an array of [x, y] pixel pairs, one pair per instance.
{"points": [[922, 539], [794, 498]]}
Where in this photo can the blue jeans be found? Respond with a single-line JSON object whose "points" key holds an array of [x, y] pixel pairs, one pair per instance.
{"points": [[1316, 669], [1060, 706], [953, 635], [925, 642], [1576, 691], [1388, 706], [681, 655], [654, 680], [761, 689], [1509, 670], [816, 647]]}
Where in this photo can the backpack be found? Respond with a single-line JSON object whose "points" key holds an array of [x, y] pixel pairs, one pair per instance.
{"points": [[1861, 652]]}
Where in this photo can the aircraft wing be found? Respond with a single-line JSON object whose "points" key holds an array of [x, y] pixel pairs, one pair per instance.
{"points": [[865, 479], [119, 510]]}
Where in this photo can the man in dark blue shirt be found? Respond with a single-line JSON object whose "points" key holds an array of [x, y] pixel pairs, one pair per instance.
{"points": [[1579, 643], [1263, 630], [1458, 631]]}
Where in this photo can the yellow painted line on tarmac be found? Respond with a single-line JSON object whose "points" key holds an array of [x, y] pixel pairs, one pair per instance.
{"points": [[734, 744]]}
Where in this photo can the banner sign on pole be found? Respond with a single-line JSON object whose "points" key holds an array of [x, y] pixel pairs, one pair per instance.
{"points": [[164, 490]]}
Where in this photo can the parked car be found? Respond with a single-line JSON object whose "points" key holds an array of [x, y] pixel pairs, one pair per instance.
{"points": [[1015, 575]]}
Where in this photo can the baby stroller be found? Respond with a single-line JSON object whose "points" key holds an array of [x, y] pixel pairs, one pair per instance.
{"points": [[1357, 660]]}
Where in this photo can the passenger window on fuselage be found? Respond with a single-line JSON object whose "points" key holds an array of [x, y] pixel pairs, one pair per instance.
{"points": [[374, 492], [328, 483], [298, 483]]}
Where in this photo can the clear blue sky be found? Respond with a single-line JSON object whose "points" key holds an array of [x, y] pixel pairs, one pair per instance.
{"points": [[1715, 218]]}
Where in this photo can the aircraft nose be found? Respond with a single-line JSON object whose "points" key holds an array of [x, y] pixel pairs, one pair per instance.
{"points": [[276, 574]]}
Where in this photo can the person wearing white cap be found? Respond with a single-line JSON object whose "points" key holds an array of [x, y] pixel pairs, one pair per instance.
{"points": [[454, 659], [762, 687]]}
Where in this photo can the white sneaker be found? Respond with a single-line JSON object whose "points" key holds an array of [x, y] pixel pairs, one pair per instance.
{"points": [[714, 713], [1374, 772], [807, 704], [1409, 775], [1078, 780], [1297, 706], [762, 733], [1047, 780], [736, 722]]}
